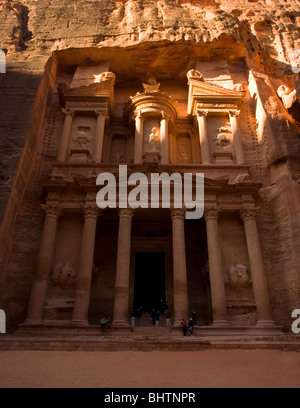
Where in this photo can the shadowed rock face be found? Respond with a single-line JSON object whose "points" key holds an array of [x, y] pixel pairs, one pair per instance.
{"points": [[148, 37]]}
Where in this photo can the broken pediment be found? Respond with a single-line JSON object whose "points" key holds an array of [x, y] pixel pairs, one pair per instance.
{"points": [[209, 96]]}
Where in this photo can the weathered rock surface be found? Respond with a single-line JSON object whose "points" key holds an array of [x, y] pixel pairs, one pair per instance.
{"points": [[265, 33]]}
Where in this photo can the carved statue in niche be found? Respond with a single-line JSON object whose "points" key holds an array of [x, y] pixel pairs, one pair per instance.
{"points": [[239, 282], [184, 150], [152, 86], [118, 157], [64, 277], [223, 140], [82, 137], [154, 140]]}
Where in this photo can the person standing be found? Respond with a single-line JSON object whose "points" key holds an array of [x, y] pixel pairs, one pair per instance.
{"points": [[132, 319], [157, 318], [184, 327], [153, 314], [168, 318], [194, 317], [191, 326]]}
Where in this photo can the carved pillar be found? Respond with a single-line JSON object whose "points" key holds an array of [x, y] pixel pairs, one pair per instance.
{"points": [[85, 268], [164, 132], [260, 286], [123, 269], [139, 138], [203, 135], [44, 263], [238, 146], [181, 304], [99, 136], [217, 282], [65, 137]]}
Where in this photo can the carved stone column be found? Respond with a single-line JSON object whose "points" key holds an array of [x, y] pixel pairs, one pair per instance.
{"points": [[99, 136], [260, 286], [203, 135], [181, 304], [139, 138], [164, 132], [217, 281], [123, 269], [65, 137], [238, 145], [44, 263], [85, 268]]}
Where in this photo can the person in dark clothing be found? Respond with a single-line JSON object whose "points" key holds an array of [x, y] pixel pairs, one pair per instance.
{"points": [[191, 326], [184, 326], [153, 317], [194, 317], [157, 318]]}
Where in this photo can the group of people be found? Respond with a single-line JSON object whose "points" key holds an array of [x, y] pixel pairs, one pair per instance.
{"points": [[189, 325], [105, 323], [186, 325], [156, 315]]}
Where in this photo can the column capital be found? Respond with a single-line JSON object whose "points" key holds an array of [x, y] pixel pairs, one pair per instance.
{"points": [[201, 112], [249, 213], [165, 116], [126, 213], [68, 111], [211, 213], [178, 213], [90, 211], [102, 112], [52, 210], [234, 113]]}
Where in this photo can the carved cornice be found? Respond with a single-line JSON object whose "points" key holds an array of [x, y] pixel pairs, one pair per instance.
{"points": [[249, 213]]}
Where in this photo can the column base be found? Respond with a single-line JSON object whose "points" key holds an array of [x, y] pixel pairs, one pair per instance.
{"points": [[266, 323], [29, 322]]}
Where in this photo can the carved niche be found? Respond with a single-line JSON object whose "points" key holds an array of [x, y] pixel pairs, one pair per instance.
{"points": [[184, 153], [118, 151]]}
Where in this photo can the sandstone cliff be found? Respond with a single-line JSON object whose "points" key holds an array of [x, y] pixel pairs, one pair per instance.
{"points": [[265, 33]]}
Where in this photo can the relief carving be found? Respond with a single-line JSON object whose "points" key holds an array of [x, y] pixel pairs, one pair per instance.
{"points": [[82, 138], [222, 140], [184, 150], [63, 276], [151, 86], [105, 76], [238, 277]]}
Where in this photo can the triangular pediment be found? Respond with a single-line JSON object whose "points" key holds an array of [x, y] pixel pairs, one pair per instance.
{"points": [[205, 92], [208, 89]]}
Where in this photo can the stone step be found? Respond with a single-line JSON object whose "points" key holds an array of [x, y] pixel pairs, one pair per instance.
{"points": [[111, 344]]}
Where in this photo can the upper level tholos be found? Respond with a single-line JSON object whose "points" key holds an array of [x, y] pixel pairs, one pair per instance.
{"points": [[190, 122]]}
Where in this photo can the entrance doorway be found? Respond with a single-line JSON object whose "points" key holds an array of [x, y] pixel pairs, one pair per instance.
{"points": [[150, 280]]}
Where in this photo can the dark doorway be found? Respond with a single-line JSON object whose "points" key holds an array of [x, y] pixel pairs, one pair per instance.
{"points": [[150, 282]]}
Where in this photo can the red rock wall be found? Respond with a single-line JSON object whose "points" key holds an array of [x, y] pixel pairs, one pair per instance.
{"points": [[264, 32]]}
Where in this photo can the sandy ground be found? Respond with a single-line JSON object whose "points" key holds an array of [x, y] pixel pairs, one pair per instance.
{"points": [[241, 368]]}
